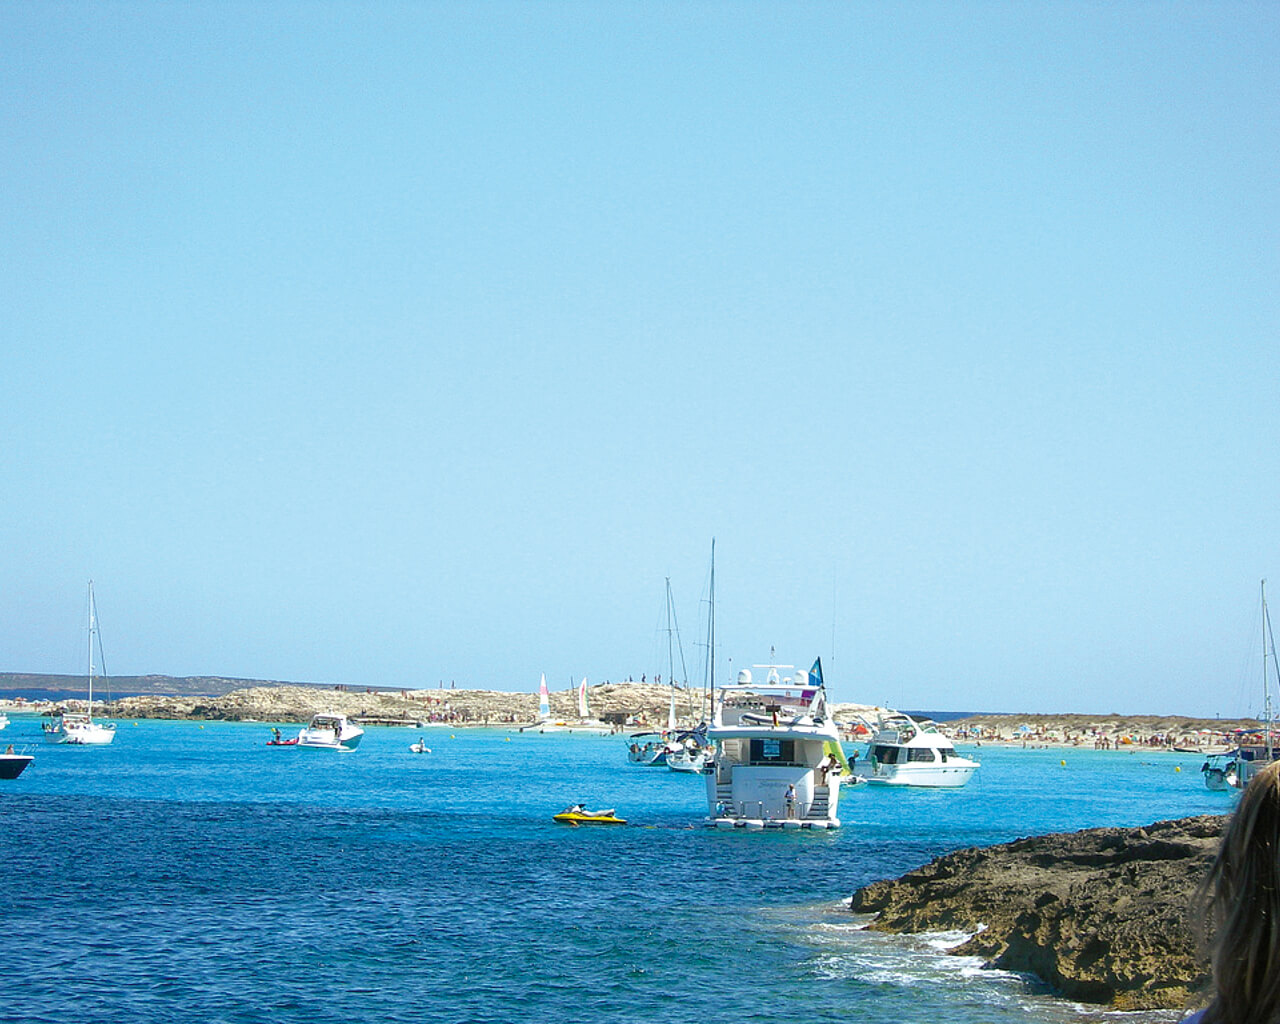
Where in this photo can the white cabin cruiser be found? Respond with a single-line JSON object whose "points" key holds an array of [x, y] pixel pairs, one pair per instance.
{"points": [[779, 763], [904, 752], [330, 731]]}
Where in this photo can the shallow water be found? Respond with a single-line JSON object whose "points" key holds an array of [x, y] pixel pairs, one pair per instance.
{"points": [[191, 872]]}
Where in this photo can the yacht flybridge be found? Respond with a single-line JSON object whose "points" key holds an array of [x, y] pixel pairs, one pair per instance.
{"points": [[778, 762]]}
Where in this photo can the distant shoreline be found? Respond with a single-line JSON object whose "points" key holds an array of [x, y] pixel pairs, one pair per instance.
{"points": [[627, 706], [34, 686]]}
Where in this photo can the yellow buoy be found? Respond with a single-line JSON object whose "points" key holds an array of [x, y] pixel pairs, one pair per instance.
{"points": [[1178, 768], [1063, 763]]}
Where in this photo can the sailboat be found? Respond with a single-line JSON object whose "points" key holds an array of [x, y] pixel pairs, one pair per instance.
{"points": [[1233, 769], [79, 728], [697, 754], [546, 723], [585, 722], [653, 748]]}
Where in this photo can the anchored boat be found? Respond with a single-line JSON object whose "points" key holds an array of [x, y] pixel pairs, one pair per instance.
{"points": [[330, 731], [1233, 769], [75, 727], [778, 761], [904, 752]]}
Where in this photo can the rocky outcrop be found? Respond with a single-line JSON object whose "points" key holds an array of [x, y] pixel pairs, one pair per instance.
{"points": [[1102, 915]]}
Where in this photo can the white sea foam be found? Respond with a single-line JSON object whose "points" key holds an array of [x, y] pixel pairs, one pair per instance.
{"points": [[842, 949]]}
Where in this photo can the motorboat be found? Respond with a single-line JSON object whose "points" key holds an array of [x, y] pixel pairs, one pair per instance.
{"points": [[12, 765], [4, 720], [692, 760], [692, 753], [904, 752], [1222, 771], [778, 763], [330, 730], [420, 747], [279, 741], [648, 749], [579, 815]]}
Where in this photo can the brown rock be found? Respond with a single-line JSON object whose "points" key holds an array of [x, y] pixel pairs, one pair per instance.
{"points": [[1102, 915]]}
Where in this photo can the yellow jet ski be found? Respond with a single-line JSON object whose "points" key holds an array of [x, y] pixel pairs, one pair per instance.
{"points": [[579, 815]]}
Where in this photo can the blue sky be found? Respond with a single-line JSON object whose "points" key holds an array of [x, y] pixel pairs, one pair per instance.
{"points": [[387, 344]]}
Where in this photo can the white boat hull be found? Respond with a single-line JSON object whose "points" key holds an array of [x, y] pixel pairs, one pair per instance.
{"points": [[923, 776], [80, 734], [93, 735], [330, 732]]}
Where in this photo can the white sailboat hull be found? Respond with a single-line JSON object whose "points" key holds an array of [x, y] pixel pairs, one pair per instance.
{"points": [[92, 734]]}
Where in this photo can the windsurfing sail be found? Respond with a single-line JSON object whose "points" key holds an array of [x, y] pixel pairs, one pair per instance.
{"points": [[544, 698], [582, 699]]}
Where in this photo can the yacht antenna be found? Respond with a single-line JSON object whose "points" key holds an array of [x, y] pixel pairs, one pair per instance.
{"points": [[1266, 693], [711, 630]]}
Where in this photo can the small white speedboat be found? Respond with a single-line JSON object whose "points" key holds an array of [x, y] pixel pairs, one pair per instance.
{"points": [[330, 731], [420, 747]]}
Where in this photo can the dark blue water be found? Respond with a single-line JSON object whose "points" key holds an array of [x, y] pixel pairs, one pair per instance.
{"points": [[189, 872]]}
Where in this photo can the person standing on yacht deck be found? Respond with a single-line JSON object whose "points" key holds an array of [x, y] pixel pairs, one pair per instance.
{"points": [[791, 801]]}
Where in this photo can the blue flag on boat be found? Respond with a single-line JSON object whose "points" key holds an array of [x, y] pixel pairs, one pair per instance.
{"points": [[815, 681]]}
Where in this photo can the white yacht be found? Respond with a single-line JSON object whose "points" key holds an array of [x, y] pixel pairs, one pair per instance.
{"points": [[904, 752], [330, 731], [778, 760]]}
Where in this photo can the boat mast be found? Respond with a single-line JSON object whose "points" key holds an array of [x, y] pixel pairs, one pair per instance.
{"points": [[1266, 693], [711, 639], [671, 663], [93, 626]]}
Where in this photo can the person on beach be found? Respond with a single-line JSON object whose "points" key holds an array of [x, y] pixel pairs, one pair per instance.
{"points": [[1241, 897]]}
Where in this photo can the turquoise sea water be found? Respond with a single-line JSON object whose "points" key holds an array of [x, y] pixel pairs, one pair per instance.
{"points": [[190, 872]]}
